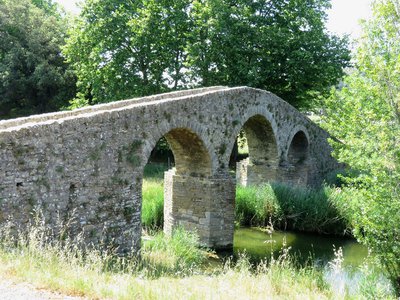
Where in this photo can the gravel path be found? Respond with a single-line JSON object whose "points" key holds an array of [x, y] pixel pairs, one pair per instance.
{"points": [[10, 290]]}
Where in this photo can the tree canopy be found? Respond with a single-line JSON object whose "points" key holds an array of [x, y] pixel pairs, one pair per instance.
{"points": [[134, 48], [365, 116], [33, 75]]}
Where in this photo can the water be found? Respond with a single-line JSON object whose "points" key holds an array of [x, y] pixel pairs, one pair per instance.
{"points": [[345, 273], [316, 249]]}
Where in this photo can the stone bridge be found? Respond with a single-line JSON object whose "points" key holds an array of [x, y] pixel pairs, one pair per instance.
{"points": [[85, 167]]}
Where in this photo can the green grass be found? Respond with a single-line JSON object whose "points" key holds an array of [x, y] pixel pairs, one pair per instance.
{"points": [[153, 196], [153, 204], [176, 254], [290, 207]]}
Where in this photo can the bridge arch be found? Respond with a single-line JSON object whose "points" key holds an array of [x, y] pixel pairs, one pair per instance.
{"points": [[190, 152], [259, 129], [296, 162], [298, 151], [191, 149], [261, 141]]}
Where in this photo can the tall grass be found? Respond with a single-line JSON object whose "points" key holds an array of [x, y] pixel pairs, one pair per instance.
{"points": [[153, 196], [290, 207], [176, 254], [153, 204], [170, 268]]}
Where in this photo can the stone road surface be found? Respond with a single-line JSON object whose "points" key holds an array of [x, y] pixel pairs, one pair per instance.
{"points": [[10, 290]]}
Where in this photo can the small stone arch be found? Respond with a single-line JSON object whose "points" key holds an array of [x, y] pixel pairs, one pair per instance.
{"points": [[191, 155], [298, 151], [263, 149], [190, 150], [295, 168]]}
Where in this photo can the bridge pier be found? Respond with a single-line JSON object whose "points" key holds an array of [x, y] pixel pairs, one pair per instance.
{"points": [[251, 174], [248, 174], [201, 204]]}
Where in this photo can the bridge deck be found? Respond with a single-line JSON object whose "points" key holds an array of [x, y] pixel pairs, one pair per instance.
{"points": [[34, 120]]}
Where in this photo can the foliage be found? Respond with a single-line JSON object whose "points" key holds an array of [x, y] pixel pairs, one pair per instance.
{"points": [[288, 207], [48, 6], [365, 117], [280, 46], [123, 49], [33, 75], [134, 48]]}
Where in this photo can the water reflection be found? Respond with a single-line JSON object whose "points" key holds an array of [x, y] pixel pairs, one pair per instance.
{"points": [[320, 249]]}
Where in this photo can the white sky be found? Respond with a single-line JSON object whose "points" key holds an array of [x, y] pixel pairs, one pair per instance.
{"points": [[342, 18], [345, 15]]}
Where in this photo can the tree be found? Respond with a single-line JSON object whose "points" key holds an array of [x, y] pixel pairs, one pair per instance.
{"points": [[48, 6], [128, 48], [365, 116], [134, 48], [33, 75], [280, 45]]}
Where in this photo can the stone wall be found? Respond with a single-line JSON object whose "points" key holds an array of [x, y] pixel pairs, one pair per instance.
{"points": [[85, 167]]}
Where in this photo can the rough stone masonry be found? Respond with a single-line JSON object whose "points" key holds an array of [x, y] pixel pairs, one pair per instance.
{"points": [[85, 167]]}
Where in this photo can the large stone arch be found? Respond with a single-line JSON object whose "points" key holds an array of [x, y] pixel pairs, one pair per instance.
{"points": [[261, 133]]}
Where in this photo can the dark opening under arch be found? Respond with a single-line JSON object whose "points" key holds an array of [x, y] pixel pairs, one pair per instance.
{"points": [[261, 141], [298, 150]]}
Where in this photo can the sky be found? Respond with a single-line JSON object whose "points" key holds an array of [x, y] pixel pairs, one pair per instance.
{"points": [[343, 17]]}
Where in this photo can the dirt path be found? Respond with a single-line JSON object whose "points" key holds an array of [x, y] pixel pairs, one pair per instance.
{"points": [[10, 290]]}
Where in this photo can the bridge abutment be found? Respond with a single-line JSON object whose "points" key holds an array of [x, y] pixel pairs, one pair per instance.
{"points": [[201, 204]]}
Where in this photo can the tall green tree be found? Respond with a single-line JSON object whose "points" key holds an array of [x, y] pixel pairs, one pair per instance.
{"points": [[128, 48], [33, 75], [365, 116], [280, 45]]}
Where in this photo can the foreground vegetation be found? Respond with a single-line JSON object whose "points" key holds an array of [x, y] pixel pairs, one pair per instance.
{"points": [[170, 268], [175, 267]]}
